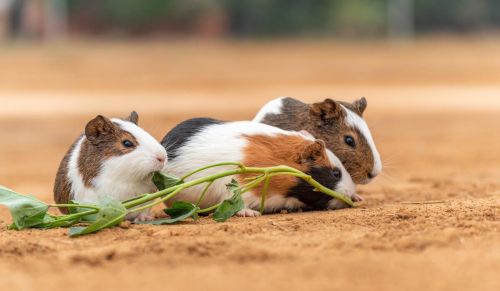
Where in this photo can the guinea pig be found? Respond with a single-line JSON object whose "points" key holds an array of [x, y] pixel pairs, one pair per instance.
{"points": [[113, 158], [203, 141], [339, 124]]}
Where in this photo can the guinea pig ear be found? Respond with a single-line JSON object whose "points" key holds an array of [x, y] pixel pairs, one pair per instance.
{"points": [[312, 151], [360, 105], [133, 117], [98, 127], [326, 110]]}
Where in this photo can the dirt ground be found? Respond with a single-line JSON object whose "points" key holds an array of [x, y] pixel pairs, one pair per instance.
{"points": [[430, 222]]}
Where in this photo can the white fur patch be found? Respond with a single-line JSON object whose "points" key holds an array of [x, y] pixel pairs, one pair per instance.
{"points": [[78, 188], [272, 107], [356, 121]]}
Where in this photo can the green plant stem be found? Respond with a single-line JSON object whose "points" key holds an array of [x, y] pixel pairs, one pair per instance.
{"points": [[175, 192], [76, 216], [209, 209], [134, 198], [203, 193], [75, 206], [264, 193], [182, 186], [212, 166], [253, 183]]}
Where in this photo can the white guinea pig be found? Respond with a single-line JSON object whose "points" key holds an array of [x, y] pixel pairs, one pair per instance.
{"points": [[113, 158]]}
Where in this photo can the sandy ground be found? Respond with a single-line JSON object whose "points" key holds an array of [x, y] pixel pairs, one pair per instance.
{"points": [[434, 110]]}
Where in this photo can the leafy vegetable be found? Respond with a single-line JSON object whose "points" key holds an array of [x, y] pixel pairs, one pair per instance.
{"points": [[231, 206], [26, 210], [111, 214], [163, 181]]}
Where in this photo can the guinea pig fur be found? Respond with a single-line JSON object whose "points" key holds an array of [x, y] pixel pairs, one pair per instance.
{"points": [[339, 124], [202, 141], [115, 159]]}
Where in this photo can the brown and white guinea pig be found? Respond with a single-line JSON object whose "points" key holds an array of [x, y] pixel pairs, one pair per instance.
{"points": [[339, 124], [115, 159], [202, 141]]}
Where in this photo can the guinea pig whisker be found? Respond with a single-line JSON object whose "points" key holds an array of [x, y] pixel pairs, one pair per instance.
{"points": [[387, 176]]}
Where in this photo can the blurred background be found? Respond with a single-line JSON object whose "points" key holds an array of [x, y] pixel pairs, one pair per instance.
{"points": [[429, 69], [49, 19]]}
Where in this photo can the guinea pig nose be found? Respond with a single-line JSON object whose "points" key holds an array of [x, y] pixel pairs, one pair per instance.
{"points": [[160, 159], [337, 174]]}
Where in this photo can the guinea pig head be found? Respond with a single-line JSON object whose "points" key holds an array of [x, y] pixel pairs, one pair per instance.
{"points": [[121, 150], [323, 166], [341, 126]]}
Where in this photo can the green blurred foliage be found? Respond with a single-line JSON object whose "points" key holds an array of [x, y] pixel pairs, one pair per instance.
{"points": [[359, 17], [277, 17], [282, 17], [456, 15]]}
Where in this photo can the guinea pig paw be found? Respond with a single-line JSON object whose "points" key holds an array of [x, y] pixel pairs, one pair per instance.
{"points": [[143, 217], [336, 204], [357, 198], [247, 212]]}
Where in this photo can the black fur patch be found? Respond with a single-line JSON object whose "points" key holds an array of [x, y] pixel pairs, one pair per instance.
{"points": [[180, 134], [304, 192]]}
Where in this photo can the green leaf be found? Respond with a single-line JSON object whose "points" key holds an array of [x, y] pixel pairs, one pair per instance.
{"points": [[26, 210], [163, 181], [76, 230], [231, 206], [180, 210], [111, 214]]}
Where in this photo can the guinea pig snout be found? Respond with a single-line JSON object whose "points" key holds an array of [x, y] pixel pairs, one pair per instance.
{"points": [[161, 159]]}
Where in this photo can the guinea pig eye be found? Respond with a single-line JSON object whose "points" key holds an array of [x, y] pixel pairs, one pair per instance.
{"points": [[127, 143], [349, 140]]}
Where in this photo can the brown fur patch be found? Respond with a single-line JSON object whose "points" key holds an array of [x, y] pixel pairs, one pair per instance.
{"points": [[297, 115], [93, 154], [106, 143], [293, 151]]}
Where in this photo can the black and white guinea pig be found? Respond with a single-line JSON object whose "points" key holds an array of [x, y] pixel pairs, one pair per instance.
{"points": [[202, 141], [115, 159], [339, 124]]}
